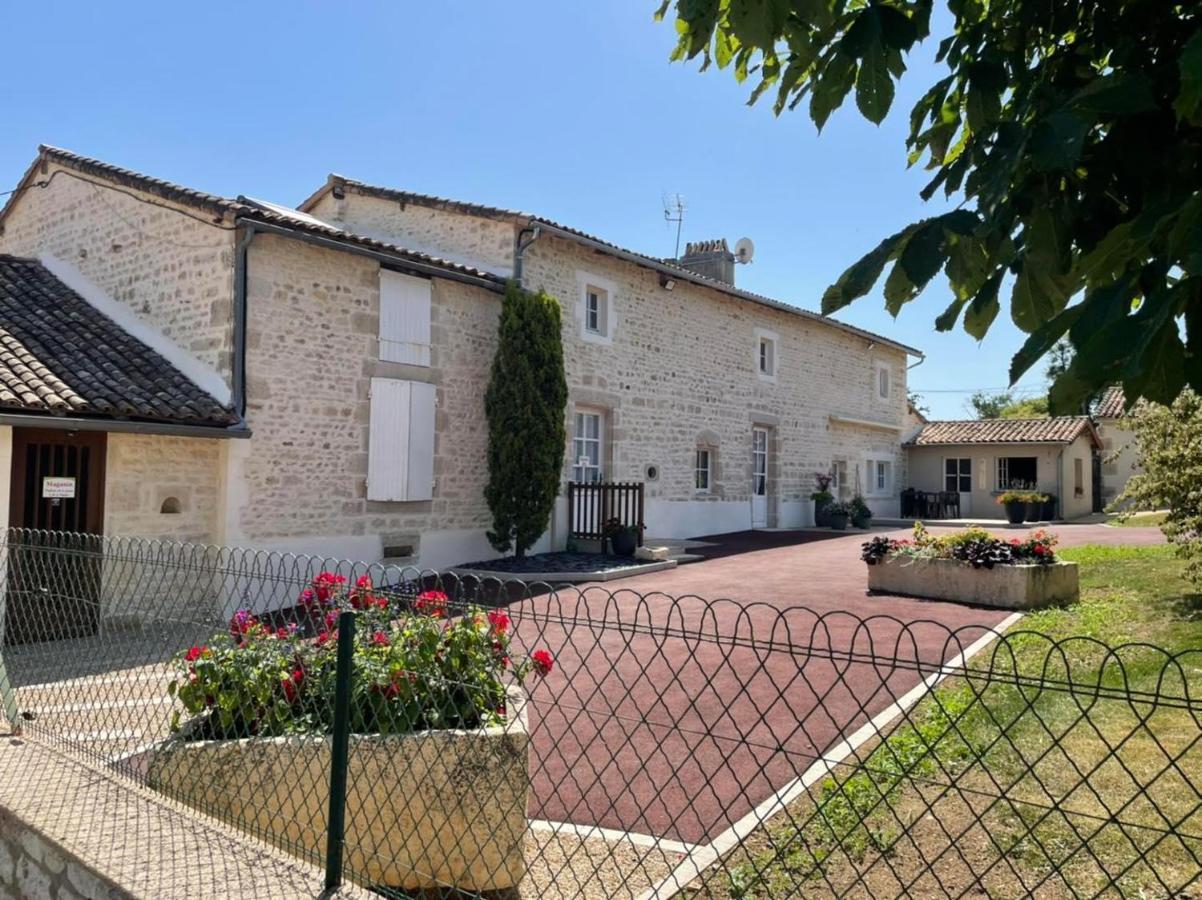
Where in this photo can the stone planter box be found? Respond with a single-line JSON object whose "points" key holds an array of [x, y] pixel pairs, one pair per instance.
{"points": [[1007, 587], [423, 811]]}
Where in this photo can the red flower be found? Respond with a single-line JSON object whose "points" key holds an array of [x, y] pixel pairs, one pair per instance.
{"points": [[289, 688], [1041, 550], [543, 662], [431, 603], [499, 621], [325, 584], [380, 639], [195, 653]]}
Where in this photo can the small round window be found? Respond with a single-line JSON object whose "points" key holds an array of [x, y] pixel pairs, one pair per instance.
{"points": [[652, 472]]}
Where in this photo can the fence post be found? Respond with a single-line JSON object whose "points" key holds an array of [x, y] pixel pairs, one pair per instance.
{"points": [[336, 821]]}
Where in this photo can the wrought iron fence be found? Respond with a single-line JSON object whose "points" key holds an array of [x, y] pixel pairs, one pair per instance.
{"points": [[417, 733]]}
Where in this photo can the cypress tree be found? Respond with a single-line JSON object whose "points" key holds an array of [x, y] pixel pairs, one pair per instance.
{"points": [[524, 405]]}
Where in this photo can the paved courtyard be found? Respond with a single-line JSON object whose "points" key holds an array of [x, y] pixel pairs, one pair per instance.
{"points": [[675, 714]]}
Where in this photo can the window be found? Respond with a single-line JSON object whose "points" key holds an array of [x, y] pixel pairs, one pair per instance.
{"points": [[703, 472], [586, 447], [400, 452], [765, 354], [759, 462], [839, 483], [596, 310], [884, 381], [1078, 477], [404, 319], [880, 477], [957, 475], [1019, 473]]}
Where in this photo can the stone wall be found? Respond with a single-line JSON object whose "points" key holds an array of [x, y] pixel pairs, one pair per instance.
{"points": [[144, 473], [170, 264], [473, 240], [312, 351], [32, 867], [679, 372]]}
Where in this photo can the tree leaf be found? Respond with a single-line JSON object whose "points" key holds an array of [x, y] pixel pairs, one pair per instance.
{"points": [[947, 319], [863, 36], [899, 290], [1056, 141], [924, 253], [1158, 373], [984, 307], [1188, 105], [758, 22], [832, 87], [1116, 94], [863, 274], [874, 86], [1042, 287], [1041, 340]]}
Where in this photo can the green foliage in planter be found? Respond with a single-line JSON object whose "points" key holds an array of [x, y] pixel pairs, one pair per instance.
{"points": [[525, 403], [416, 667], [858, 509], [1021, 497]]}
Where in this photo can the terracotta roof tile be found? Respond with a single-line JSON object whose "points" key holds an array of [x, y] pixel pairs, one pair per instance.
{"points": [[1112, 403], [1056, 430], [60, 355]]}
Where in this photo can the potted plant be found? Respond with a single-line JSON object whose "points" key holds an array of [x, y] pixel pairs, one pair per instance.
{"points": [[1035, 504], [437, 719], [861, 515], [623, 539], [822, 498], [1049, 508], [839, 515], [1015, 504]]}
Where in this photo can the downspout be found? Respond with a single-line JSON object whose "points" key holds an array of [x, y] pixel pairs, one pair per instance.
{"points": [[519, 249], [1060, 481], [238, 377]]}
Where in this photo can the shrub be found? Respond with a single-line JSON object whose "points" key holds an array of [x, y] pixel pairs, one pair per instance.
{"points": [[1021, 497], [1168, 443], [859, 508], [524, 404], [414, 667]]}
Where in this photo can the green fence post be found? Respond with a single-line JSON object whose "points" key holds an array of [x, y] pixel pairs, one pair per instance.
{"points": [[336, 831]]}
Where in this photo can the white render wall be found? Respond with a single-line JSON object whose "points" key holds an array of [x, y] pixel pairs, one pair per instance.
{"points": [[1120, 458]]}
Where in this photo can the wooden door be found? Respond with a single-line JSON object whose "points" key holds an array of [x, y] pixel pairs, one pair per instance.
{"points": [[57, 493]]}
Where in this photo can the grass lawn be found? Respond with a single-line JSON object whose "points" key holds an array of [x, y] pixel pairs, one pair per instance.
{"points": [[1055, 776], [1140, 520]]}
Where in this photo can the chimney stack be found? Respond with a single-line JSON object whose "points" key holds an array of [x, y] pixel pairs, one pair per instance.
{"points": [[712, 259]]}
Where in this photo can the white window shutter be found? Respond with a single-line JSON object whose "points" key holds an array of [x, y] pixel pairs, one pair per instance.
{"points": [[404, 318], [400, 453], [421, 442]]}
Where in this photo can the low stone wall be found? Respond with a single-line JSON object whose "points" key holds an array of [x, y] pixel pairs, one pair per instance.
{"points": [[1005, 587], [34, 867]]}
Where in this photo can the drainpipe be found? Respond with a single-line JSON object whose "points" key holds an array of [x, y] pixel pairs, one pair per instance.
{"points": [[238, 379], [519, 248], [1060, 482]]}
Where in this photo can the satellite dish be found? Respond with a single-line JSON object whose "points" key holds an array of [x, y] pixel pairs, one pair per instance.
{"points": [[744, 250]]}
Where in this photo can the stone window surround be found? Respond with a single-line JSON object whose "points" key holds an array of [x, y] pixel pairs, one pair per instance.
{"points": [[773, 339], [608, 314], [870, 464], [880, 367]]}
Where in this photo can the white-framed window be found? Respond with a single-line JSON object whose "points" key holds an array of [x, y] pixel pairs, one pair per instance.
{"points": [[766, 355], [884, 381], [404, 318], [840, 485], [957, 474], [880, 477], [1078, 477], [588, 435], [703, 470], [595, 310]]}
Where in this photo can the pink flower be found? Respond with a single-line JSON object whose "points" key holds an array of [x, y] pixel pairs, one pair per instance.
{"points": [[195, 653], [380, 639], [543, 661]]}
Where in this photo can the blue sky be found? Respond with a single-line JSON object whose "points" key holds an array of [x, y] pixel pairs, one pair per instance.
{"points": [[570, 110]]}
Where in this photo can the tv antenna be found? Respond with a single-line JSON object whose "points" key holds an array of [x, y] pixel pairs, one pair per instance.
{"points": [[674, 212]]}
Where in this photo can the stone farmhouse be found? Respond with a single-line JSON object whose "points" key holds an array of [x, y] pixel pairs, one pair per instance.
{"points": [[179, 365]]}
